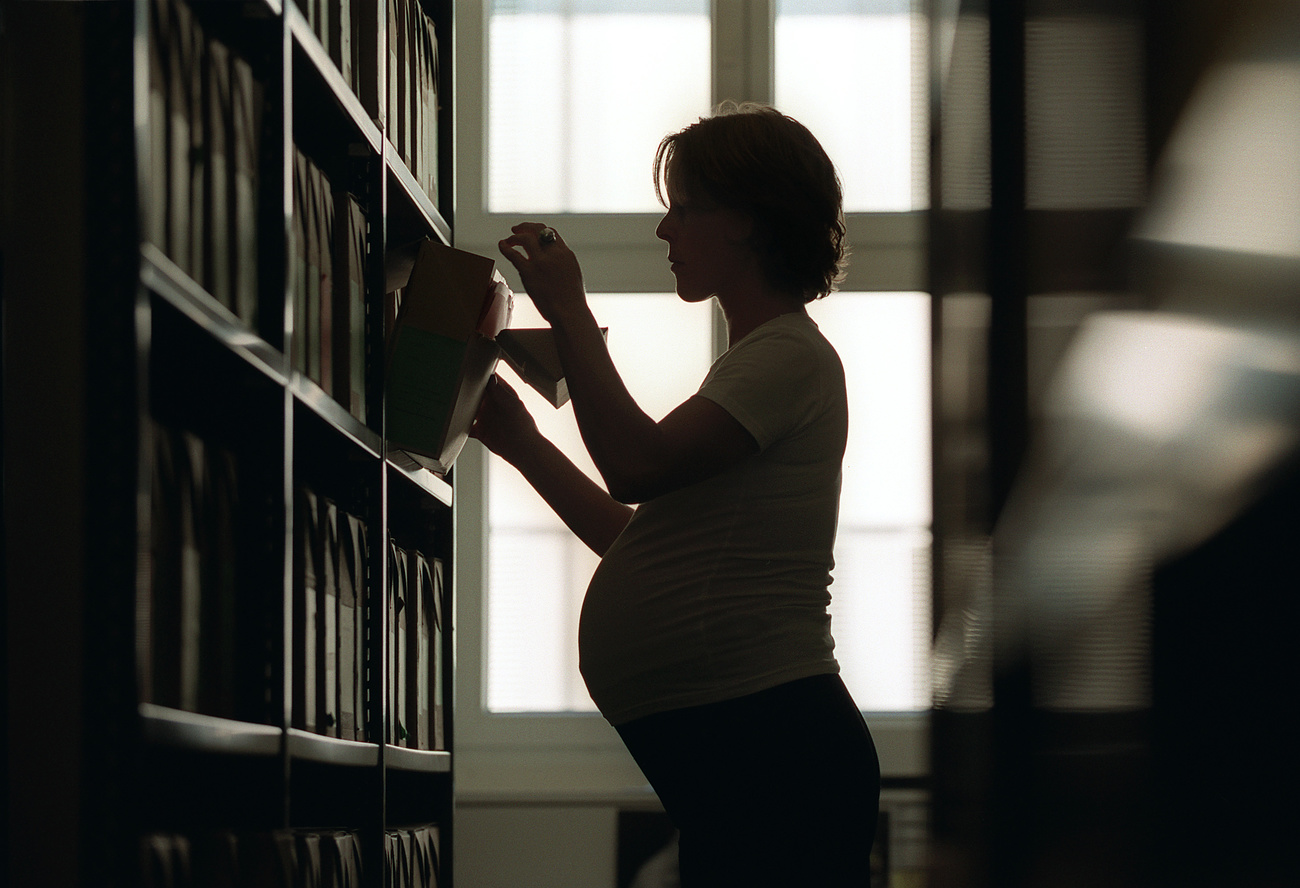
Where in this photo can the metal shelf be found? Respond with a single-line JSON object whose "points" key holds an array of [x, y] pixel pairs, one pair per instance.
{"points": [[164, 726], [306, 746], [164, 278], [425, 761], [313, 397], [429, 482]]}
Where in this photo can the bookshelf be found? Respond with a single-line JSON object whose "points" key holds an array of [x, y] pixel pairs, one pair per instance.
{"points": [[222, 527]]}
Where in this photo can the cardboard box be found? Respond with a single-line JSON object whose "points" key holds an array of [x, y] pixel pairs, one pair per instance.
{"points": [[443, 351], [531, 353]]}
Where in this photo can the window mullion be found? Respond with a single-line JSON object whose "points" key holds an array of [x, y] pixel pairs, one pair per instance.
{"points": [[743, 50]]}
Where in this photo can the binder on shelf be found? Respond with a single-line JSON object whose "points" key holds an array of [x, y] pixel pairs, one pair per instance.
{"points": [[397, 573], [246, 100], [426, 149], [358, 547], [351, 583], [437, 674], [155, 217], [418, 606], [399, 30], [401, 642], [413, 103], [311, 294], [218, 648], [443, 352], [349, 340], [412, 856], [427, 846], [198, 63], [196, 634], [392, 72], [411, 98], [342, 42], [309, 857], [306, 616], [180, 71], [423, 654], [205, 108], [298, 262], [340, 859], [191, 590], [165, 860], [174, 559], [269, 859], [323, 217], [216, 227], [328, 605], [396, 868]]}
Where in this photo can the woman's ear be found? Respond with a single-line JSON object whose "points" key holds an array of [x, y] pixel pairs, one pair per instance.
{"points": [[739, 227]]}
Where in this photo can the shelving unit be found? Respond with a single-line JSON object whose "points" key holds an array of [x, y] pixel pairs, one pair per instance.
{"points": [[190, 384]]}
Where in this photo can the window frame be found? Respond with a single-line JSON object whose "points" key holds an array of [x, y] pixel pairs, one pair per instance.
{"points": [[578, 756]]}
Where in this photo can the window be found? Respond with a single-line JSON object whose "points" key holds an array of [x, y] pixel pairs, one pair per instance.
{"points": [[561, 126], [853, 72], [537, 569], [880, 597], [580, 89]]}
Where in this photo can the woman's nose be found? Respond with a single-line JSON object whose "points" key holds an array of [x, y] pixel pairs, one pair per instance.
{"points": [[661, 230]]}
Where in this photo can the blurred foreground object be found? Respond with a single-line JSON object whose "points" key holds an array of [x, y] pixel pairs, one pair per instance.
{"points": [[1147, 561]]}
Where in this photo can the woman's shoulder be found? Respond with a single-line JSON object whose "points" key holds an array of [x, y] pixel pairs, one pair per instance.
{"points": [[796, 328], [791, 345]]}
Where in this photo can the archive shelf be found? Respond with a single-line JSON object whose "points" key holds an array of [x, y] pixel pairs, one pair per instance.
{"points": [[218, 436]]}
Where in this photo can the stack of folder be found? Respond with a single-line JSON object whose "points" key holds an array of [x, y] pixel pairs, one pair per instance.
{"points": [[198, 620], [327, 283], [412, 95], [415, 643], [331, 566], [205, 129]]}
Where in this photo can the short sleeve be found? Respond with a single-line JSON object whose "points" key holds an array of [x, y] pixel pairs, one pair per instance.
{"points": [[772, 383]]}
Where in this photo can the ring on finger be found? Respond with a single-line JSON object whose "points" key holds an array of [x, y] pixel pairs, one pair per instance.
{"points": [[547, 236]]}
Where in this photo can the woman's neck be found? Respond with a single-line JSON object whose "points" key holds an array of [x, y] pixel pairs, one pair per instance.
{"points": [[748, 312]]}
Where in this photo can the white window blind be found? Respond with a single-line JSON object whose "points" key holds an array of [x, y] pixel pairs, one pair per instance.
{"points": [[581, 92], [853, 72]]}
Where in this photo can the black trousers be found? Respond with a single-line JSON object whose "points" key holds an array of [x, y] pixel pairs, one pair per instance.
{"points": [[778, 788]]}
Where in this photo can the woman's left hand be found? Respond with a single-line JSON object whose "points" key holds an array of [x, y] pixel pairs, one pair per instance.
{"points": [[549, 270]]}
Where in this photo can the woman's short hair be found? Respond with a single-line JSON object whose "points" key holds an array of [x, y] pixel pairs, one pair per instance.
{"points": [[752, 158]]}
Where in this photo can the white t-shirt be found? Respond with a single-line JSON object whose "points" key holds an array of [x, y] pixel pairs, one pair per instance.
{"points": [[720, 589]]}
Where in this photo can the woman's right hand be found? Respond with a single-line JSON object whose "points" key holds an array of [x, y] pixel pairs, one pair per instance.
{"points": [[503, 423]]}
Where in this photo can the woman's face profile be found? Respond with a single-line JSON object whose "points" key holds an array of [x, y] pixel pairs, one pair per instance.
{"points": [[707, 243]]}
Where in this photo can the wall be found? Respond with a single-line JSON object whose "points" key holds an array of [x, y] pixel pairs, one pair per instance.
{"points": [[575, 845], [530, 846]]}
